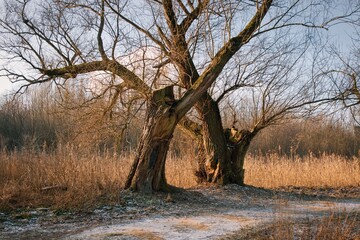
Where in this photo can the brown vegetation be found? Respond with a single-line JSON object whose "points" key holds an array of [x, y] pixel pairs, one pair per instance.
{"points": [[60, 180], [334, 226], [326, 171], [70, 179]]}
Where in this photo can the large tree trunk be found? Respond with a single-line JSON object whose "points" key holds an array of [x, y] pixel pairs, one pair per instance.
{"points": [[215, 159], [238, 145], [222, 152], [147, 173]]}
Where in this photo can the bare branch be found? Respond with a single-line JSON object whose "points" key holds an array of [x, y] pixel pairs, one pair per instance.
{"points": [[128, 76], [222, 57], [101, 29], [186, 23], [136, 26]]}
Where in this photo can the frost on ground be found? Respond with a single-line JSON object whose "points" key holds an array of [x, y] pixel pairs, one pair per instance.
{"points": [[204, 213]]}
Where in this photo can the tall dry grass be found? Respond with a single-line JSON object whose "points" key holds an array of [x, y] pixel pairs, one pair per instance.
{"points": [[273, 171], [68, 178], [63, 179]]}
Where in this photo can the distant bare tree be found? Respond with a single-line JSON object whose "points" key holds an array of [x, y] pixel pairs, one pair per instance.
{"points": [[342, 71]]}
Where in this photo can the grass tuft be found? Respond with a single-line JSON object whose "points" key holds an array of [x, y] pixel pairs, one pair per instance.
{"points": [[334, 226]]}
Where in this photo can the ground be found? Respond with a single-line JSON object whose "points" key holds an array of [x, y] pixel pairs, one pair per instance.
{"points": [[207, 212]]}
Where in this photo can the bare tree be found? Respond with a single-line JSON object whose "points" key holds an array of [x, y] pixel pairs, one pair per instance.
{"points": [[341, 70], [177, 46], [53, 44], [269, 83], [272, 76]]}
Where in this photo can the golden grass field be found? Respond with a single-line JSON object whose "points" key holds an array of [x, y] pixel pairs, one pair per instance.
{"points": [[69, 179], [327, 171]]}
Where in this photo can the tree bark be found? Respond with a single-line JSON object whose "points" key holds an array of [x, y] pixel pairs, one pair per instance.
{"points": [[147, 173], [216, 157], [238, 145]]}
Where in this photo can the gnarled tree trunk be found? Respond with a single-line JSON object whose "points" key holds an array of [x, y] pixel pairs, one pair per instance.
{"points": [[238, 145], [215, 157], [147, 173]]}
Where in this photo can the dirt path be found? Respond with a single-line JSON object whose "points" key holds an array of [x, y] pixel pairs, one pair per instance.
{"points": [[212, 225], [205, 213]]}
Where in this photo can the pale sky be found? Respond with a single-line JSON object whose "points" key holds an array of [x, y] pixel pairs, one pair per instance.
{"points": [[5, 85]]}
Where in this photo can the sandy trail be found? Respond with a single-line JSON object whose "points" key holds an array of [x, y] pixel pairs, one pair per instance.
{"points": [[201, 213], [212, 226]]}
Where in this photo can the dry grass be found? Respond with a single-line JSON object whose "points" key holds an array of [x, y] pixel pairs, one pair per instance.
{"points": [[328, 171], [180, 172], [69, 179], [61, 180], [343, 226], [340, 227]]}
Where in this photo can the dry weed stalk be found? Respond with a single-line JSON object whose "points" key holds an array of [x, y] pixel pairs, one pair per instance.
{"points": [[333, 226]]}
